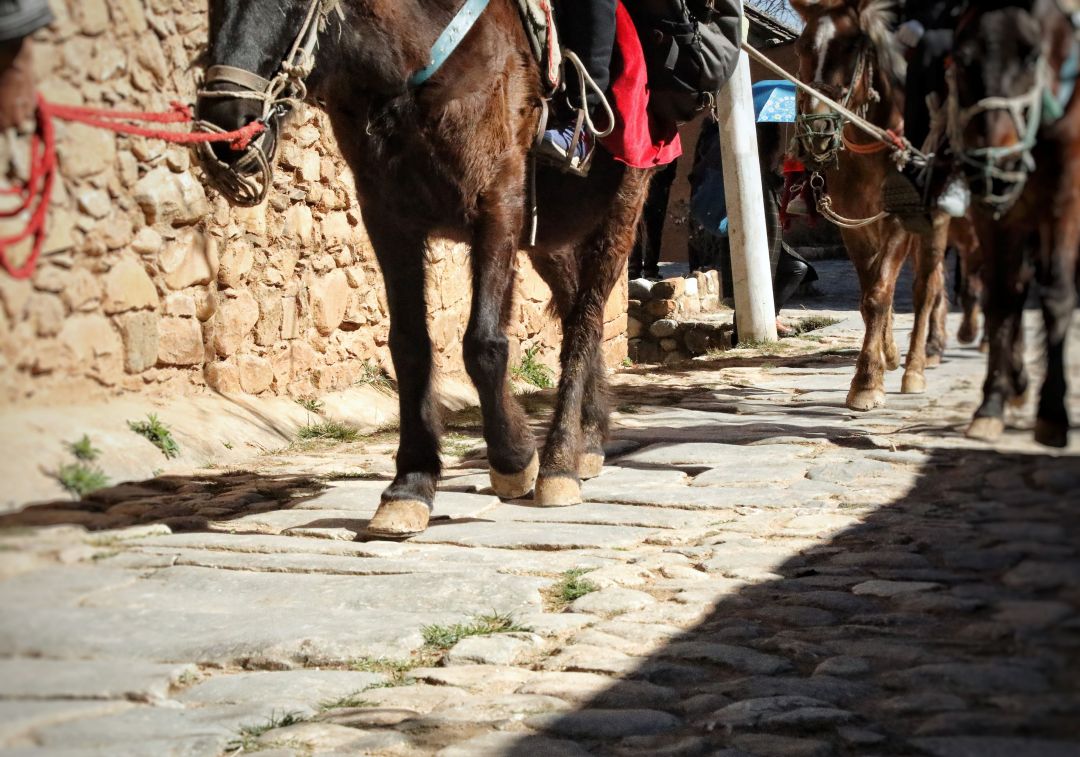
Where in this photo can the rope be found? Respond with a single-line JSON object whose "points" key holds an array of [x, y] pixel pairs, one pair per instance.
{"points": [[886, 136], [824, 206], [38, 187]]}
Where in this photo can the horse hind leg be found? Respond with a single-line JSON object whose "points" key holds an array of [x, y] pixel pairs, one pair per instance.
{"points": [[595, 412], [406, 504], [600, 265], [929, 282], [512, 456]]}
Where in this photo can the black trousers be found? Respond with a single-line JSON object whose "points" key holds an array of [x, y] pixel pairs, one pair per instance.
{"points": [[925, 76], [588, 28], [645, 255]]}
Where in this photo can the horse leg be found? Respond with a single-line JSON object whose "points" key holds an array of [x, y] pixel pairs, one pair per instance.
{"points": [[1058, 294], [1006, 292], [594, 420], [928, 283], [970, 284], [877, 282], [511, 452], [936, 342], [600, 263], [406, 504], [891, 352]]}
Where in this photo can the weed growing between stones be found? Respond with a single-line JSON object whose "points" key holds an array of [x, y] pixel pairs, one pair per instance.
{"points": [[395, 669], [444, 637], [815, 322], [84, 449], [757, 344], [247, 741], [346, 702], [571, 586], [374, 376], [458, 445], [532, 371], [311, 404], [157, 433], [81, 478], [331, 430]]}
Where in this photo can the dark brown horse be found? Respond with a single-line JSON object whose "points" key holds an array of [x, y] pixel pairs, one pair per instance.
{"points": [[1015, 126], [449, 157], [847, 52]]}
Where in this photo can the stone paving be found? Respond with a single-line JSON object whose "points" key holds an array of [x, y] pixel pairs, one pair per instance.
{"points": [[758, 571]]}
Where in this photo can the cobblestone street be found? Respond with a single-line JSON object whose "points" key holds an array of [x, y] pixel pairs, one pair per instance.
{"points": [[758, 571]]}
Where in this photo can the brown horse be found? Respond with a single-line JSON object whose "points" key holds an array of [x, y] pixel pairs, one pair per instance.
{"points": [[1015, 127], [449, 157], [847, 52]]}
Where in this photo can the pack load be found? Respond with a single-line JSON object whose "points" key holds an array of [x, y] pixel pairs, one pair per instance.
{"points": [[691, 50]]}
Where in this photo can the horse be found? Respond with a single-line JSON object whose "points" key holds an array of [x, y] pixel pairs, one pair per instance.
{"points": [[1015, 129], [448, 157], [846, 51]]}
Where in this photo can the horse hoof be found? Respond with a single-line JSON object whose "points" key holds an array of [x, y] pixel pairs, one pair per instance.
{"points": [[557, 491], [590, 464], [892, 362], [1017, 401], [865, 399], [913, 383], [966, 334], [984, 347], [399, 519], [1051, 434], [933, 361], [515, 485], [986, 429]]}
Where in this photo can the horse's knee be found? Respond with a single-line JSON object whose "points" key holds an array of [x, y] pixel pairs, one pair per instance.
{"points": [[485, 355]]}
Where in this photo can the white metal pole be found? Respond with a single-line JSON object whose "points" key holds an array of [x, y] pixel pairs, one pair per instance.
{"points": [[751, 272]]}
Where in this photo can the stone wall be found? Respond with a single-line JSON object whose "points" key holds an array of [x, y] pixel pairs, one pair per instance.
{"points": [[673, 320], [151, 283]]}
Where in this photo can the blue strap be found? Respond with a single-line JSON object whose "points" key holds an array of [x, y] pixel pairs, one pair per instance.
{"points": [[449, 40]]}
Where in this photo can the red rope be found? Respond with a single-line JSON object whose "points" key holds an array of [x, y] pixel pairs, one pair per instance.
{"points": [[43, 162]]}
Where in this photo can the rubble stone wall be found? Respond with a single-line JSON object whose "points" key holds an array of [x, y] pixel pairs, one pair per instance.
{"points": [[151, 283]]}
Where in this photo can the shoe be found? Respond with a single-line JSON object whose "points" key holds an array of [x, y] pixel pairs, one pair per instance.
{"points": [[903, 196], [556, 145], [783, 331], [956, 199]]}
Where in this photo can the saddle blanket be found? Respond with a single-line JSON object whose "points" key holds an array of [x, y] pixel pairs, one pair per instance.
{"points": [[543, 38]]}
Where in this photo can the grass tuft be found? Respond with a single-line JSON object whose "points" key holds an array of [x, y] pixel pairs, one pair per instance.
{"points": [[373, 375], [815, 322], [84, 449], [571, 586], [757, 344], [532, 371], [331, 430], [81, 479], [395, 669], [444, 637], [311, 404], [157, 433], [458, 445], [247, 740], [348, 701]]}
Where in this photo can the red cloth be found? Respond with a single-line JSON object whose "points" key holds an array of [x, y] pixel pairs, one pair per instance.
{"points": [[638, 140]]}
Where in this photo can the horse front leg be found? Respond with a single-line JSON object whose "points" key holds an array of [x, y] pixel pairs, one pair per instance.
{"points": [[969, 273], [1058, 294], [406, 504], [511, 450], [877, 272], [1007, 287], [600, 263], [929, 284]]}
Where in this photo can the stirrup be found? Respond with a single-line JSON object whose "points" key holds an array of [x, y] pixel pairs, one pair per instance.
{"points": [[583, 122]]}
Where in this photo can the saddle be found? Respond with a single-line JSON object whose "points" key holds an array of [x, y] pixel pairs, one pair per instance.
{"points": [[539, 22]]}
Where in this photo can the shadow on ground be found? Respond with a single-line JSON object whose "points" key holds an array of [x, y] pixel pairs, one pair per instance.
{"points": [[945, 624]]}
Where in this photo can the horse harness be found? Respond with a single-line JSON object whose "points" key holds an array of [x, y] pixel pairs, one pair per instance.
{"points": [[830, 127], [1009, 167]]}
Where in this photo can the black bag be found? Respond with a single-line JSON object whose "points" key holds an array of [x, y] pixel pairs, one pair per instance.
{"points": [[691, 50]]}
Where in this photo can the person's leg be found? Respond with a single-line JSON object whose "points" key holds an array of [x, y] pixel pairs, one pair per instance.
{"points": [[587, 27], [652, 220], [791, 271]]}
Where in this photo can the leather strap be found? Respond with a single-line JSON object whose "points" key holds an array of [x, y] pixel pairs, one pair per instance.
{"points": [[237, 76], [448, 41]]}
